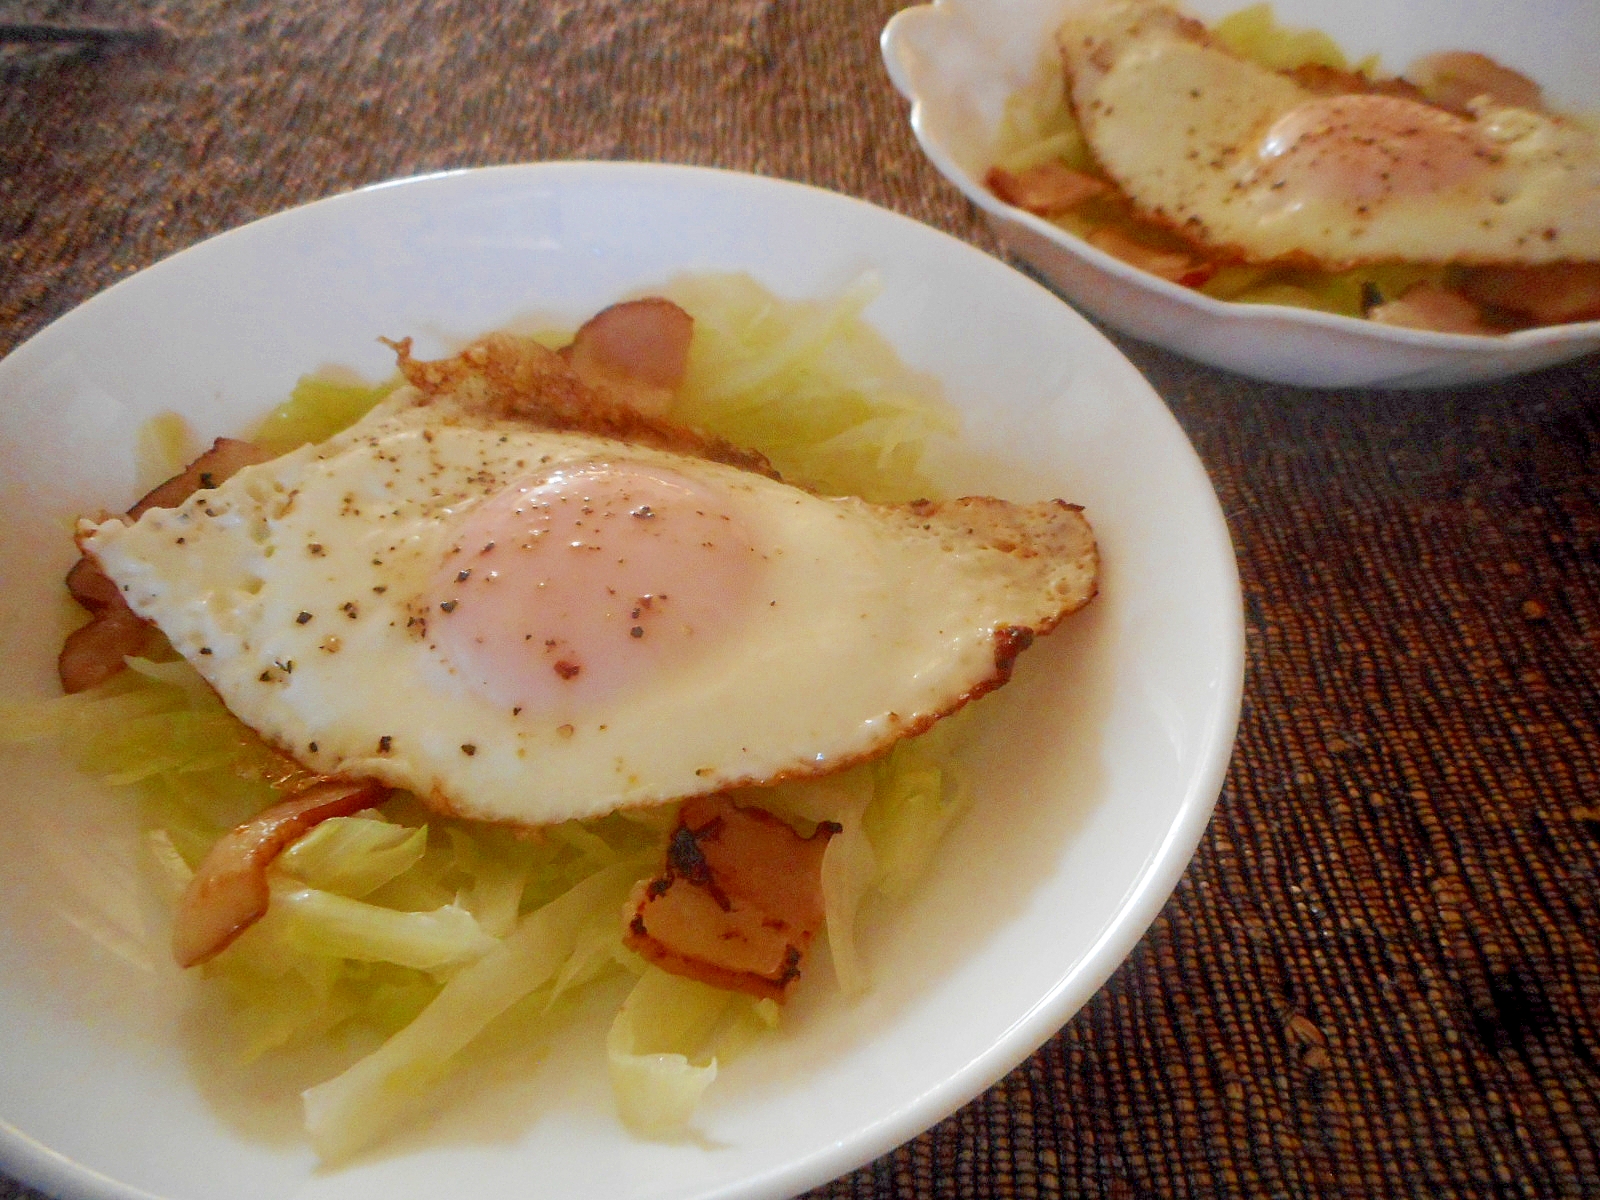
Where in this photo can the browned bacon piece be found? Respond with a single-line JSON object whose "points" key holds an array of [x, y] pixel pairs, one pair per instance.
{"points": [[740, 900], [226, 457], [1454, 78], [1190, 270], [1046, 190], [95, 652], [1550, 294], [229, 891], [1428, 306], [638, 350]]}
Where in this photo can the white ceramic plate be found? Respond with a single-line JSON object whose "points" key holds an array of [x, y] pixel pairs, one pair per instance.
{"points": [[1098, 769], [958, 60]]}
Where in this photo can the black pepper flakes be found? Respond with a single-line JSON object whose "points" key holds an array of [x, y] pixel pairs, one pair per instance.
{"points": [[302, 618]]}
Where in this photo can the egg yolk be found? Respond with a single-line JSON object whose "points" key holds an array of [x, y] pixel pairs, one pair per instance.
{"points": [[566, 588], [1364, 148]]}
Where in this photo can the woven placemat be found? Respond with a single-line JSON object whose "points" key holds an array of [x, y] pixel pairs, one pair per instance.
{"points": [[1381, 974]]}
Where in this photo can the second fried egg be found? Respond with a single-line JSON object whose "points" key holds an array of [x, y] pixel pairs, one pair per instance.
{"points": [[1242, 158]]}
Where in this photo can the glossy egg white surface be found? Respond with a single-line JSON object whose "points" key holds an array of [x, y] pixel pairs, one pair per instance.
{"points": [[958, 60], [1094, 775], [527, 626]]}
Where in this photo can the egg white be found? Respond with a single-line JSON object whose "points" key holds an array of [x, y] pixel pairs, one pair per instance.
{"points": [[295, 589]]}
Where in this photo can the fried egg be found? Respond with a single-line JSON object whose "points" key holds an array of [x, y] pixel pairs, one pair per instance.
{"points": [[526, 624], [1247, 160]]}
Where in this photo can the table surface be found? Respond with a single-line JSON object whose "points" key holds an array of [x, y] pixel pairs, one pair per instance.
{"points": [[1380, 976]]}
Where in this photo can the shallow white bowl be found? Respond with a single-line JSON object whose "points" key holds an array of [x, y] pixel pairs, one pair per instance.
{"points": [[1097, 769], [958, 60]]}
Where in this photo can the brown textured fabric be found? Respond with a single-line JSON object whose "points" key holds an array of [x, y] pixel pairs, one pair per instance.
{"points": [[1381, 974]]}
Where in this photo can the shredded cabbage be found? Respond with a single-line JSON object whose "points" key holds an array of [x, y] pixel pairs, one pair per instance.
{"points": [[344, 1114], [809, 384], [334, 926], [164, 446], [354, 856], [1254, 33], [428, 931], [316, 409], [660, 1049]]}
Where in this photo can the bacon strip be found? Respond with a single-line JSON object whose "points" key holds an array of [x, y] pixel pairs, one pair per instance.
{"points": [[1427, 306], [1552, 294], [95, 652], [226, 457], [1188, 269], [1046, 190], [740, 900], [1454, 78], [229, 892], [638, 350]]}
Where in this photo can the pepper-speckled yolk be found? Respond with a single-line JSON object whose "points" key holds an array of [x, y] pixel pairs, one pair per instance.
{"points": [[1365, 148], [564, 590]]}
